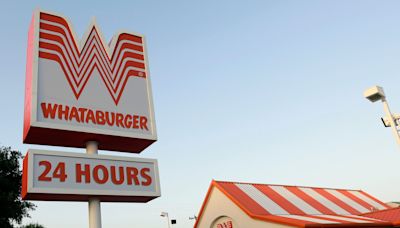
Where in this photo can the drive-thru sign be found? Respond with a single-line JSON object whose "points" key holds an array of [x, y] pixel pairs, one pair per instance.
{"points": [[89, 94], [87, 90]]}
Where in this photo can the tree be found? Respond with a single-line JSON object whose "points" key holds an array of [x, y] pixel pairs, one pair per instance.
{"points": [[33, 225], [12, 208]]}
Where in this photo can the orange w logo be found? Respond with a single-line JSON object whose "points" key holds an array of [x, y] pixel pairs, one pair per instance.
{"points": [[57, 43]]}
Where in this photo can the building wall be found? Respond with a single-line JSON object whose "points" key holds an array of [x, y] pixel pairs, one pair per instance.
{"points": [[220, 205]]}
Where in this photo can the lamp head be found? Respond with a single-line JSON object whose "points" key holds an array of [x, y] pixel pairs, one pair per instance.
{"points": [[374, 94]]}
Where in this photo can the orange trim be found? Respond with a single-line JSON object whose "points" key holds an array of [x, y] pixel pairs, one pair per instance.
{"points": [[336, 219], [24, 189], [386, 214], [57, 137], [384, 210], [204, 203], [341, 219], [369, 225], [281, 220], [28, 77], [85, 198], [368, 219], [301, 223]]}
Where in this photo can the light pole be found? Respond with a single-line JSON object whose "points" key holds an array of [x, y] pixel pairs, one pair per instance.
{"points": [[165, 214], [376, 93]]}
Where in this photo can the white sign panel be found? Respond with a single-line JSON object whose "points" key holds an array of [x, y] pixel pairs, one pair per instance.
{"points": [[51, 175], [87, 89]]}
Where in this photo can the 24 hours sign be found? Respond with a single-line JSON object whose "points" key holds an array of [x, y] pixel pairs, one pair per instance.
{"points": [[51, 175]]}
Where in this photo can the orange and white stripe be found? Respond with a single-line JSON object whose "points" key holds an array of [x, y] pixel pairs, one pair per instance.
{"points": [[78, 61], [303, 204], [279, 200]]}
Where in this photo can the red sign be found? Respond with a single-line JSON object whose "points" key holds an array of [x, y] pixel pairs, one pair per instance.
{"points": [[227, 224], [52, 175], [223, 222], [79, 91]]}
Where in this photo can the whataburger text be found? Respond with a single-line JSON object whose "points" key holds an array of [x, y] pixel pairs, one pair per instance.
{"points": [[89, 116], [85, 90]]}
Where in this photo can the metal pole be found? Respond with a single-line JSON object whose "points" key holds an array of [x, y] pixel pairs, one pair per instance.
{"points": [[169, 226], [94, 203], [393, 125]]}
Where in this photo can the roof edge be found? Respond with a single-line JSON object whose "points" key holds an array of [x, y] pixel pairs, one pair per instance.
{"points": [[204, 203], [285, 185], [384, 210]]}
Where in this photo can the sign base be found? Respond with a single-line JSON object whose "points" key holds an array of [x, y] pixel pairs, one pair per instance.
{"points": [[38, 135]]}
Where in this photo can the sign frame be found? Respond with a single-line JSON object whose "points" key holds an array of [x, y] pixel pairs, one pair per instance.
{"points": [[29, 192], [55, 134]]}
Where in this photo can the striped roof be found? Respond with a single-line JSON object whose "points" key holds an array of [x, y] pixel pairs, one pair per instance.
{"points": [[288, 200], [303, 206], [324, 220]]}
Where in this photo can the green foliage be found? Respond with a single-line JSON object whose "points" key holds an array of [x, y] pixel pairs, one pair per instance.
{"points": [[33, 225], [12, 208]]}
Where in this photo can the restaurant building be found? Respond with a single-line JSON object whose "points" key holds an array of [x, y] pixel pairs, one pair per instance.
{"points": [[245, 205]]}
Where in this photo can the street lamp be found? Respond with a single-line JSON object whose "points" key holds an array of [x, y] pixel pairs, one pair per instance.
{"points": [[376, 93], [165, 214]]}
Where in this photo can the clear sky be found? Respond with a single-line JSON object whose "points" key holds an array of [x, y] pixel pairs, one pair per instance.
{"points": [[254, 91]]}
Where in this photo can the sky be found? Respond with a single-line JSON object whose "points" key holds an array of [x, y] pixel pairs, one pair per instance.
{"points": [[253, 91]]}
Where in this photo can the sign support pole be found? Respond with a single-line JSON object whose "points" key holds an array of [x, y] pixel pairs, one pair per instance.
{"points": [[94, 204]]}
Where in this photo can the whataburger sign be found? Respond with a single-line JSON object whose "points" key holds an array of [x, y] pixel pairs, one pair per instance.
{"points": [[86, 91]]}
